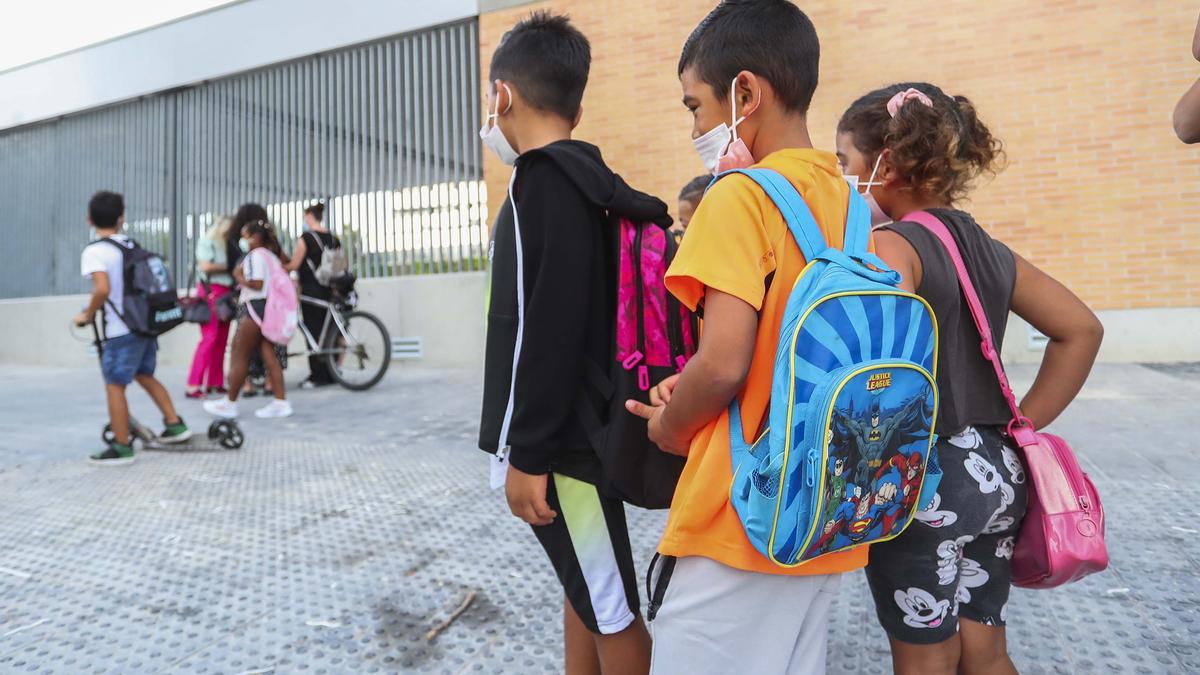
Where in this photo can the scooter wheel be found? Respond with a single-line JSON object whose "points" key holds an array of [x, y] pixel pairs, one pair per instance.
{"points": [[214, 430], [231, 435]]}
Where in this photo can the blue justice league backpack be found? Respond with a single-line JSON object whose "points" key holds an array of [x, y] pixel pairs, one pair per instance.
{"points": [[843, 460]]}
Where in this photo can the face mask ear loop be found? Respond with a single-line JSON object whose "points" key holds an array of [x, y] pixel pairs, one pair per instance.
{"points": [[871, 180], [507, 107], [733, 111], [495, 116]]}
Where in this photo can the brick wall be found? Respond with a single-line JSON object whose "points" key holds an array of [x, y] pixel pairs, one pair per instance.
{"points": [[1098, 191]]}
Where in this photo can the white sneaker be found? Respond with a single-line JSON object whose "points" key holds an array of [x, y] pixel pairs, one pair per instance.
{"points": [[221, 407], [276, 408]]}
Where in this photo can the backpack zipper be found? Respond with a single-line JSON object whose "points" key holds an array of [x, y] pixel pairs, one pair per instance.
{"points": [[643, 370]]}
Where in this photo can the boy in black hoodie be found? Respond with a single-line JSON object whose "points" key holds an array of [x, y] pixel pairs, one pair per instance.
{"points": [[552, 307]]}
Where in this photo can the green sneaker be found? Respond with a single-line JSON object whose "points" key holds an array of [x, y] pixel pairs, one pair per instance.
{"points": [[175, 433], [115, 455]]}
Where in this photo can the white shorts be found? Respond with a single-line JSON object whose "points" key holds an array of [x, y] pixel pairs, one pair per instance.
{"points": [[720, 620]]}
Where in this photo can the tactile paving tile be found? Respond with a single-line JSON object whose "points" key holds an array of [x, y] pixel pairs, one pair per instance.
{"points": [[338, 557]]}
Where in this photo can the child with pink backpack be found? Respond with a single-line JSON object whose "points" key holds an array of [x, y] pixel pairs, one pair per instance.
{"points": [[941, 588], [267, 318]]}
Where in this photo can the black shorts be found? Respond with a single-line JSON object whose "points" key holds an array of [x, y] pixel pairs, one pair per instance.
{"points": [[955, 559], [588, 545]]}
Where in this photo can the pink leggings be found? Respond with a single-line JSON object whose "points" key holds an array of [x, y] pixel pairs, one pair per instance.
{"points": [[208, 365]]}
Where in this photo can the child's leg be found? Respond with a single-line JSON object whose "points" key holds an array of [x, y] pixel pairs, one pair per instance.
{"points": [[161, 397], [581, 650], [274, 371], [120, 360], [118, 412], [245, 343], [984, 649], [627, 651], [936, 659], [147, 364], [588, 545]]}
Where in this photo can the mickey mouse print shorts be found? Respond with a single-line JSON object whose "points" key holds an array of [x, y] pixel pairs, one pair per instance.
{"points": [[955, 560]]}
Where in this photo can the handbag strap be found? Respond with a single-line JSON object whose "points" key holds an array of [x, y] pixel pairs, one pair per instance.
{"points": [[935, 226]]}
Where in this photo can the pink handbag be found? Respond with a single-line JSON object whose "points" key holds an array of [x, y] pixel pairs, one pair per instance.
{"points": [[1062, 537]]}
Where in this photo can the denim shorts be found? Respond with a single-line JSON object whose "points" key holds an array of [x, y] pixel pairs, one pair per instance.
{"points": [[126, 356]]}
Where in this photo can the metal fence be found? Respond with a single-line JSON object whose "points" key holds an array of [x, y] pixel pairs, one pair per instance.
{"points": [[383, 133]]}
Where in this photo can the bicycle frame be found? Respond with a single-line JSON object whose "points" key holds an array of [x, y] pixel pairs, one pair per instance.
{"points": [[332, 315]]}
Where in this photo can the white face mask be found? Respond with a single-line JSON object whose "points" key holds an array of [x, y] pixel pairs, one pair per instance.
{"points": [[720, 148], [491, 135], [878, 217]]}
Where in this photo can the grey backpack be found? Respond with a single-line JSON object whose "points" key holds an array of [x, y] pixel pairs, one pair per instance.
{"points": [[333, 262]]}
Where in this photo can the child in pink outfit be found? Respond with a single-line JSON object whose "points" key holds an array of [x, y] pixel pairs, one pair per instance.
{"points": [[208, 364]]}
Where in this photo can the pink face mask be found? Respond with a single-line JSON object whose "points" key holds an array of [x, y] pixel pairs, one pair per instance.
{"points": [[720, 148]]}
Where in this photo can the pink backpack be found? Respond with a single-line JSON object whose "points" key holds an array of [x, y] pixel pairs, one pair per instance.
{"points": [[1062, 537], [278, 322], [654, 337]]}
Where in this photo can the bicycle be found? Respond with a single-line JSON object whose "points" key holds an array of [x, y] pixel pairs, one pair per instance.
{"points": [[356, 346]]}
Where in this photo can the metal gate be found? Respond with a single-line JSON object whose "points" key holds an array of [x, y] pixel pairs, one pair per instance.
{"points": [[383, 133]]}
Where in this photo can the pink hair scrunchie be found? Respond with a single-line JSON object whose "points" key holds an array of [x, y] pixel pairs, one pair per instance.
{"points": [[898, 101]]}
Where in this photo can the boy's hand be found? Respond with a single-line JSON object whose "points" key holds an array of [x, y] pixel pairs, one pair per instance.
{"points": [[661, 436], [661, 393], [527, 497], [83, 319]]}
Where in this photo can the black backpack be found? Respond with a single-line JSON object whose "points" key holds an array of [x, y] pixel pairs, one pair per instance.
{"points": [[150, 300], [654, 337]]}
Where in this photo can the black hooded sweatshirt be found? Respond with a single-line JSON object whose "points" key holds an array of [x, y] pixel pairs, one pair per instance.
{"points": [[565, 199]]}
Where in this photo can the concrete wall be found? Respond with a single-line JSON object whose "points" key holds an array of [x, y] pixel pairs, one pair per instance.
{"points": [[1161, 335], [445, 311]]}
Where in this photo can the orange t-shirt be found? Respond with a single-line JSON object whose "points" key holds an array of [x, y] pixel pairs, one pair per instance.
{"points": [[737, 238]]}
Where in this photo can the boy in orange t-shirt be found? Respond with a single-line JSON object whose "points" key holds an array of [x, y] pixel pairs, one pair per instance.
{"points": [[718, 605]]}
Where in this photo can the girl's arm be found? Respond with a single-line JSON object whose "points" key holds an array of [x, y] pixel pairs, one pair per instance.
{"points": [[1075, 334], [1187, 115], [901, 257], [239, 275]]}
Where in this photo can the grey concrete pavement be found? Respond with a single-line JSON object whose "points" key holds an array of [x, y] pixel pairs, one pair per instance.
{"points": [[334, 541]]}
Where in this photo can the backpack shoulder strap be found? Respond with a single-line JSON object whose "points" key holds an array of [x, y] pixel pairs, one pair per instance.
{"points": [[938, 229], [317, 237], [120, 247], [858, 227], [795, 212]]}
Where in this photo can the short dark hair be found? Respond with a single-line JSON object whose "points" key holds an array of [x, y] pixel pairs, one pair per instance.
{"points": [[770, 38], [317, 210], [548, 60], [695, 188], [105, 208]]}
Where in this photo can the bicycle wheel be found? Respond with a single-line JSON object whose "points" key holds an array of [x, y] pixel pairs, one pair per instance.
{"points": [[359, 357]]}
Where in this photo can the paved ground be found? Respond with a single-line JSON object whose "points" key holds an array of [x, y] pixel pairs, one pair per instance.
{"points": [[333, 542]]}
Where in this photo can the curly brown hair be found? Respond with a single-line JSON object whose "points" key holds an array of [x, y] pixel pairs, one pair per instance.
{"points": [[940, 150]]}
